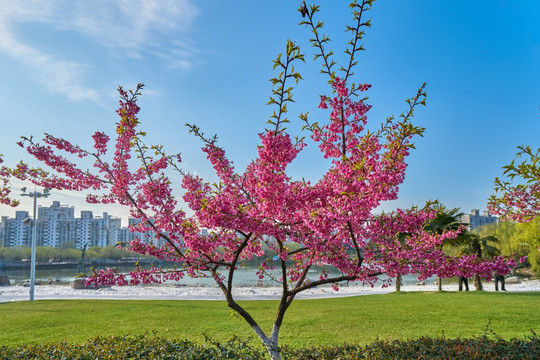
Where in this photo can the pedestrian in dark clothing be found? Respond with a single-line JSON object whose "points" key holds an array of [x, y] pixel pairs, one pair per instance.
{"points": [[463, 280], [499, 278]]}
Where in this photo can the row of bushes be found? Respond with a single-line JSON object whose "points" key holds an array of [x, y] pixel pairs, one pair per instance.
{"points": [[154, 347]]}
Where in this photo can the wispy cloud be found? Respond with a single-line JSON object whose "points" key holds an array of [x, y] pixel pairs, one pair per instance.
{"points": [[137, 27]]}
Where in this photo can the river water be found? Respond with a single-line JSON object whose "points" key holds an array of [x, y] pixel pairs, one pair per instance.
{"points": [[243, 277]]}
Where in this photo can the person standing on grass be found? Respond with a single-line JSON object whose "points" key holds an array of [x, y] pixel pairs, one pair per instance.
{"points": [[463, 281], [499, 278]]}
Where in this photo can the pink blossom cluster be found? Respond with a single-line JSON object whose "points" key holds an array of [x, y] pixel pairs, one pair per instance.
{"points": [[5, 190], [517, 195], [340, 137], [520, 203]]}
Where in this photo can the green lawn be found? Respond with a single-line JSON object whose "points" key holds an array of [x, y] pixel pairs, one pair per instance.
{"points": [[361, 319]]}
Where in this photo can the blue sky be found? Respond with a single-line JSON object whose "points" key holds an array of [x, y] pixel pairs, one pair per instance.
{"points": [[208, 62]]}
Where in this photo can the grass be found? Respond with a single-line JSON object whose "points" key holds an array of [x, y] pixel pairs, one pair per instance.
{"points": [[360, 320]]}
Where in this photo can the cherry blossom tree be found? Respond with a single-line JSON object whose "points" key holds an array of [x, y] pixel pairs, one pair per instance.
{"points": [[262, 210], [5, 189], [517, 194]]}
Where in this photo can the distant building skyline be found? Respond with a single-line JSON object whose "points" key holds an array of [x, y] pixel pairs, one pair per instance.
{"points": [[475, 219], [57, 226]]}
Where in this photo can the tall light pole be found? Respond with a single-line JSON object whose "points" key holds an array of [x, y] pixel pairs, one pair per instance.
{"points": [[34, 195]]}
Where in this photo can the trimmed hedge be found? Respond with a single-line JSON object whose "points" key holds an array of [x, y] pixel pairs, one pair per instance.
{"points": [[482, 347], [152, 347], [135, 347]]}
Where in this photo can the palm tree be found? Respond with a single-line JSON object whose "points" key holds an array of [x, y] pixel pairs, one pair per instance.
{"points": [[480, 246], [446, 220]]}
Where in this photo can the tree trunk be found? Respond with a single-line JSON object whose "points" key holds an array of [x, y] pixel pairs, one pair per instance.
{"points": [[439, 283], [398, 282], [273, 352], [478, 283], [271, 344]]}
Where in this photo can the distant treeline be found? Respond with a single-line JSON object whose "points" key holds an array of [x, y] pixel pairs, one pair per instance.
{"points": [[520, 238], [95, 253], [50, 254]]}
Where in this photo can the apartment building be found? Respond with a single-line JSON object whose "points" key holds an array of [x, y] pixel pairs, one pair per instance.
{"points": [[57, 226]]}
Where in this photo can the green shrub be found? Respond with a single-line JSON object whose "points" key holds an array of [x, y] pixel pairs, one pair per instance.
{"points": [[135, 347], [482, 347], [152, 347]]}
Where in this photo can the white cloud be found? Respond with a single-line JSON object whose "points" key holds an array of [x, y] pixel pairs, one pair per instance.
{"points": [[130, 25], [57, 76]]}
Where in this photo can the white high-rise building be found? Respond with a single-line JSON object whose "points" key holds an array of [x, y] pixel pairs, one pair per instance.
{"points": [[57, 226], [54, 224], [97, 231], [14, 232]]}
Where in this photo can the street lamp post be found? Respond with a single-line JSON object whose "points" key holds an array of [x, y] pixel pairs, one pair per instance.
{"points": [[34, 195]]}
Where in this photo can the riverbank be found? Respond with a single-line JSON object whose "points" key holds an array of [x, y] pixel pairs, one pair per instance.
{"points": [[180, 292], [45, 265]]}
